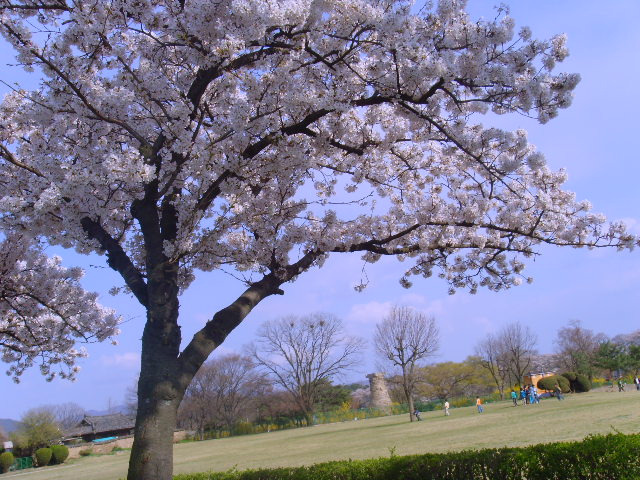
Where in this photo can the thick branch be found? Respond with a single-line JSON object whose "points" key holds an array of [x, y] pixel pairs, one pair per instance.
{"points": [[205, 76], [60, 5], [117, 259], [300, 127], [9, 157], [223, 323], [212, 192]]}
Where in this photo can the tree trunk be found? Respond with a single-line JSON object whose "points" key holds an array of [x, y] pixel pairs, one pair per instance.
{"points": [[161, 386], [152, 452], [411, 408], [159, 396], [408, 391]]}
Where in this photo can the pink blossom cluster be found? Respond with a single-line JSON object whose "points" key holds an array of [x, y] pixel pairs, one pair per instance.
{"points": [[44, 311]]}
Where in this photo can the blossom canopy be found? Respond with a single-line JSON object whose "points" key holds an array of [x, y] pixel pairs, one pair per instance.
{"points": [[260, 126]]}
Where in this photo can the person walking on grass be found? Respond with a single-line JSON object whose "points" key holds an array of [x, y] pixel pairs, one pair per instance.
{"points": [[479, 405], [558, 392], [514, 398], [637, 382], [536, 397], [446, 408]]}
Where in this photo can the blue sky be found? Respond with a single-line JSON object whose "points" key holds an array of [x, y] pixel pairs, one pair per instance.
{"points": [[596, 140]]}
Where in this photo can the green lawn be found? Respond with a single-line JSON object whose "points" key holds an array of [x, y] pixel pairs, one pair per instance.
{"points": [[500, 425]]}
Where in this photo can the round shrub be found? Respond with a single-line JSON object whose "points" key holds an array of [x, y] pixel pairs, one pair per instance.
{"points": [[583, 384], [60, 453], [43, 456], [549, 383], [578, 382], [86, 452], [6, 460]]}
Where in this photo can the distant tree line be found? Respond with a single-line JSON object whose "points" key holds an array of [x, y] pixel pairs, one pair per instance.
{"points": [[291, 372]]}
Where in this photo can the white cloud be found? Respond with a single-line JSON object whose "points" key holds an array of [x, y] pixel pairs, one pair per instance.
{"points": [[368, 313], [128, 360], [633, 225]]}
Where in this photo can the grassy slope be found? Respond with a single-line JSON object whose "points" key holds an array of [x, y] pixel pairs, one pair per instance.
{"points": [[501, 424]]}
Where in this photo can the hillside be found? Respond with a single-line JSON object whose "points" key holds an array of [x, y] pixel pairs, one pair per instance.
{"points": [[9, 425]]}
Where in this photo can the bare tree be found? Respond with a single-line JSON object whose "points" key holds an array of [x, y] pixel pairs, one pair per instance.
{"points": [[518, 343], [577, 347], [493, 357], [67, 415], [131, 398], [3, 435], [220, 393], [404, 338], [299, 353]]}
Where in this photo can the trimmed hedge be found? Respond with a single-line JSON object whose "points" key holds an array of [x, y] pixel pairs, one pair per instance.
{"points": [[578, 382], [583, 384], [43, 456], [549, 383], [598, 457], [60, 453], [6, 460]]}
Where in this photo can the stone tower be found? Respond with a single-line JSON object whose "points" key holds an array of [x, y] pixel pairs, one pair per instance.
{"points": [[379, 394]]}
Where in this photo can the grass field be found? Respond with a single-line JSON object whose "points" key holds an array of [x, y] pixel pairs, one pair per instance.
{"points": [[500, 425]]}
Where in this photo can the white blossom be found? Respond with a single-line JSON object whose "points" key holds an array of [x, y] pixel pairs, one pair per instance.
{"points": [[44, 311]]}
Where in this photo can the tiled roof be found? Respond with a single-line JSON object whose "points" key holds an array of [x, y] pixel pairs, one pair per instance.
{"points": [[101, 423]]}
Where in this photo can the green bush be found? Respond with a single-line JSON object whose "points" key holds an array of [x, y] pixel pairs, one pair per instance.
{"points": [[86, 452], [43, 456], [578, 382], [549, 383], [60, 453], [610, 457], [6, 460], [583, 384]]}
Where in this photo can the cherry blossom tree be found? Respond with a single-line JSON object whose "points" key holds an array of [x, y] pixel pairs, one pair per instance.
{"points": [[180, 136], [44, 311]]}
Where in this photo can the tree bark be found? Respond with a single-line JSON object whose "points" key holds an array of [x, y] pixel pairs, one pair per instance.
{"points": [[411, 408], [152, 452], [159, 395], [161, 385], [408, 392]]}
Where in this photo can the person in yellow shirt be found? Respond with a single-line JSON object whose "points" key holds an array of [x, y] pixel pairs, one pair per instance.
{"points": [[479, 405]]}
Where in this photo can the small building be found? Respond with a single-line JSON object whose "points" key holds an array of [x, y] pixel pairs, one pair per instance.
{"points": [[100, 427]]}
